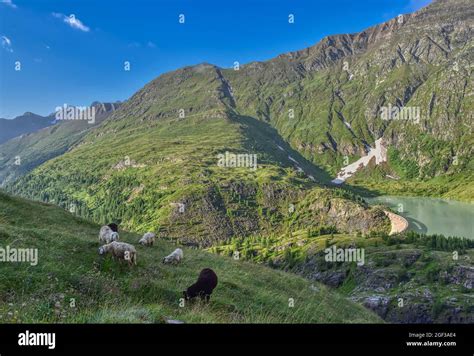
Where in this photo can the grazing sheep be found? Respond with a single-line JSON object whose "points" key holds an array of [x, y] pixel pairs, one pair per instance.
{"points": [[114, 236], [174, 257], [113, 226], [204, 286], [121, 251], [148, 239], [107, 235]]}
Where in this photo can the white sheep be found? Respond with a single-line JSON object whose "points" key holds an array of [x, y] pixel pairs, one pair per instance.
{"points": [[175, 257], [148, 239], [121, 251], [107, 235]]}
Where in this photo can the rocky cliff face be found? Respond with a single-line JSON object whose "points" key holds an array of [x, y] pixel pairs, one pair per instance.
{"points": [[402, 286], [241, 209]]}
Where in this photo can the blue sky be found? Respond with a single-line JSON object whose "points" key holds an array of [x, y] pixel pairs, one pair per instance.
{"points": [[80, 59]]}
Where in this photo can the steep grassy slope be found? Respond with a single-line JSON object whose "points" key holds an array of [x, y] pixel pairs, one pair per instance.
{"points": [[154, 164], [71, 283]]}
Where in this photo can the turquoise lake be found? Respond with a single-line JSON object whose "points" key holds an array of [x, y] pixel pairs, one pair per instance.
{"points": [[432, 215]]}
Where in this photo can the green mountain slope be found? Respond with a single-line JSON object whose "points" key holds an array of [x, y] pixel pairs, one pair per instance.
{"points": [[159, 152], [71, 283], [154, 163], [327, 100]]}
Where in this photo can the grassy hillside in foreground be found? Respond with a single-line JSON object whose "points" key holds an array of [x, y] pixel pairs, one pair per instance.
{"points": [[105, 292]]}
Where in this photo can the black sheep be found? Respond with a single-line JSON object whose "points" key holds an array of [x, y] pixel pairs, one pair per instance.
{"points": [[113, 226], [204, 286]]}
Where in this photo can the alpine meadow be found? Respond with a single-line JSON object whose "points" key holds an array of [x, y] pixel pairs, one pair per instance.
{"points": [[331, 184]]}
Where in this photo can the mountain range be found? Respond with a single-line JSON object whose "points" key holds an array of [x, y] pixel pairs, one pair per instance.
{"points": [[23, 153], [26, 123], [304, 114], [245, 159]]}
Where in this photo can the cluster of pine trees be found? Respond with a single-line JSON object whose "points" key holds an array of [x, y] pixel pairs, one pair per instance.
{"points": [[435, 242]]}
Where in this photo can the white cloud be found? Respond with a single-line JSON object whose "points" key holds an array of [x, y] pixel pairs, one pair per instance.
{"points": [[72, 21], [6, 43], [9, 3]]}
